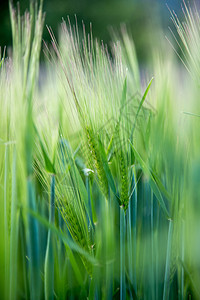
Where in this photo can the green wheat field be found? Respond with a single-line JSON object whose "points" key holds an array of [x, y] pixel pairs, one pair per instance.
{"points": [[99, 166]]}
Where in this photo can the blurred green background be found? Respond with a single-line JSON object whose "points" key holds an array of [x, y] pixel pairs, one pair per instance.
{"points": [[144, 18]]}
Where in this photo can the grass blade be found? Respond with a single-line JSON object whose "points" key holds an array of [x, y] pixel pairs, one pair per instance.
{"points": [[140, 106], [122, 254], [49, 258], [168, 262], [14, 233], [153, 183], [6, 232], [33, 245]]}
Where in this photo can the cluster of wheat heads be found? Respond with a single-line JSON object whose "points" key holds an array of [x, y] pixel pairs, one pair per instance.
{"points": [[99, 177]]}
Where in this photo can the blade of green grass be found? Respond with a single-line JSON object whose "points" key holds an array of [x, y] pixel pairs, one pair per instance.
{"points": [[48, 164], [106, 168], [14, 233], [71, 244], [6, 233], [166, 289], [33, 245], [49, 258], [140, 106], [153, 183], [122, 254], [152, 249], [190, 278], [191, 114]]}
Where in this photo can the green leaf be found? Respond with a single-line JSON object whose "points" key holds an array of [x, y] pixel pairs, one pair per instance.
{"points": [[161, 186], [124, 92], [14, 232], [106, 167], [66, 240], [168, 263], [122, 254], [191, 114], [49, 257], [76, 174], [189, 275], [153, 183], [144, 96], [48, 164], [140, 105]]}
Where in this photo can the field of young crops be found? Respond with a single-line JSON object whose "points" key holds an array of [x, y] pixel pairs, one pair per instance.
{"points": [[99, 169]]}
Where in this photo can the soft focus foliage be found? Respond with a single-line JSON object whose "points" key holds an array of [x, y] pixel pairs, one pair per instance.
{"points": [[99, 177]]}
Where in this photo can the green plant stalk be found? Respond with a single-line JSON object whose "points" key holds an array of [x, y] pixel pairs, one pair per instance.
{"points": [[6, 233], [152, 250], [133, 212], [33, 245], [75, 266], [109, 248], [49, 258], [130, 252], [131, 232], [14, 233], [89, 204], [182, 257], [22, 237], [147, 276], [93, 288], [60, 251], [157, 256], [166, 289], [122, 254], [124, 195]]}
